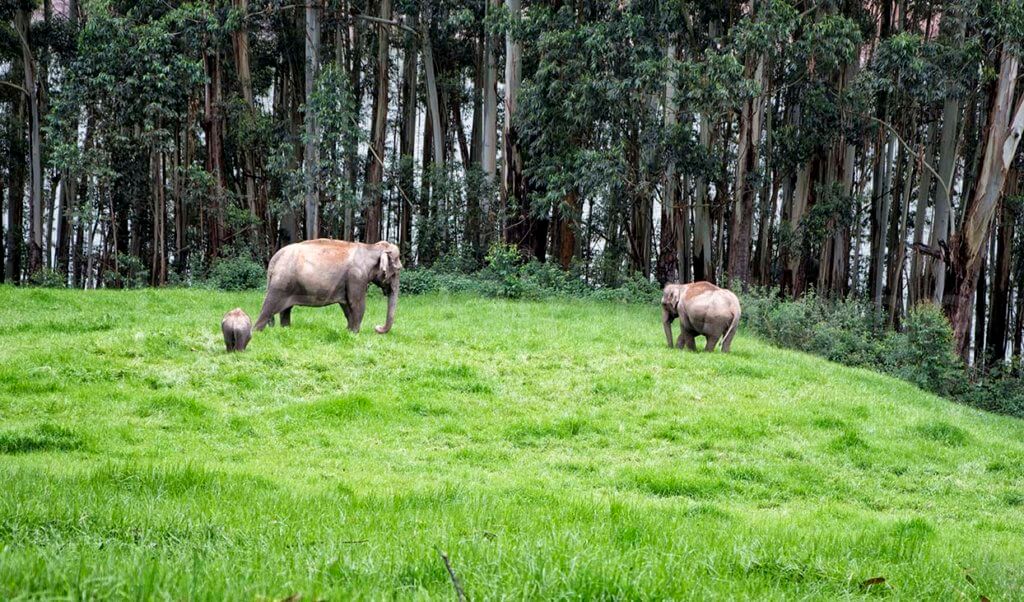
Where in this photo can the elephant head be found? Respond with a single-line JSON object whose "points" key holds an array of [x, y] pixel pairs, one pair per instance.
{"points": [[385, 275], [670, 299]]}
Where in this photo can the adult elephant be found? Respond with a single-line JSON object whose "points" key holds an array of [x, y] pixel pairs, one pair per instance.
{"points": [[323, 272], [702, 309]]}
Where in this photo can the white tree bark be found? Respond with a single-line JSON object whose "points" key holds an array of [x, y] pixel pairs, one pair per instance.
{"points": [[311, 161]]}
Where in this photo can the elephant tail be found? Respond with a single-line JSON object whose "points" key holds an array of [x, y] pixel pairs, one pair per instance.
{"points": [[727, 342]]}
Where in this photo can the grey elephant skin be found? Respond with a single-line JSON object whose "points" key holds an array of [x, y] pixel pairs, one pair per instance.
{"points": [[237, 329], [702, 309], [321, 272]]}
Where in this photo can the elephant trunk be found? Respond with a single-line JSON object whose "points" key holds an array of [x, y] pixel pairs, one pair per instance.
{"points": [[666, 320], [392, 303]]}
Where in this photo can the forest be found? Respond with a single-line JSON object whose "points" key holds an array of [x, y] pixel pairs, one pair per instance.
{"points": [[864, 150]]}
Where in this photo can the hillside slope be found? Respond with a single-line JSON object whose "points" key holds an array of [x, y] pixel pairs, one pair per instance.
{"points": [[551, 450]]}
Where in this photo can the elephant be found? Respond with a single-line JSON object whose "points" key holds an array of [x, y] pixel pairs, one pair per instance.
{"points": [[323, 272], [237, 329], [702, 309]]}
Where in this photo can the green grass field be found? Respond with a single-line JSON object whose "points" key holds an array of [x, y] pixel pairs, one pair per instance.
{"points": [[553, 450]]}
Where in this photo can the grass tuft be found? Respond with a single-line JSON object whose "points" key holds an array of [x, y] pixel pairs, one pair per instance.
{"points": [[45, 437], [944, 433]]}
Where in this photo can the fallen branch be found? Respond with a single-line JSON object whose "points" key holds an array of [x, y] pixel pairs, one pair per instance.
{"points": [[459, 593]]}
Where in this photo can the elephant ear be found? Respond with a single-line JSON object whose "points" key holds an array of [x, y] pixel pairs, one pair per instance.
{"points": [[385, 264], [671, 295]]}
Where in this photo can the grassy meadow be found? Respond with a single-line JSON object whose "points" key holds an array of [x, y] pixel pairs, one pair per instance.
{"points": [[551, 450]]}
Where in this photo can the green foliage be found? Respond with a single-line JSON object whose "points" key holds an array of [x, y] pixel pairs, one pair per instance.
{"points": [[507, 276], [927, 358], [502, 271], [237, 274], [852, 332], [127, 272], [338, 130], [48, 278]]}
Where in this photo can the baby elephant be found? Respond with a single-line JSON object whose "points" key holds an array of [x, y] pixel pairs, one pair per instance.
{"points": [[702, 309], [237, 329]]}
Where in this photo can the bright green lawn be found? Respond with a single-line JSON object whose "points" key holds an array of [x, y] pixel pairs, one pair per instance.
{"points": [[553, 450]]}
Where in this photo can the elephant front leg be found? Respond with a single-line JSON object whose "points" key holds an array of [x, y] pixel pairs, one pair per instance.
{"points": [[687, 340], [356, 308], [286, 317], [711, 342]]}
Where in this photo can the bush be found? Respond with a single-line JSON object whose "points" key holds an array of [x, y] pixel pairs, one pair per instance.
{"points": [[1001, 390], [237, 274], [423, 280], [852, 332], [47, 278], [130, 273], [928, 359]]}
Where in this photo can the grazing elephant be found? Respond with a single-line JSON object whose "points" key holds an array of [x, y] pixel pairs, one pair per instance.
{"points": [[702, 309], [237, 329], [323, 272]]}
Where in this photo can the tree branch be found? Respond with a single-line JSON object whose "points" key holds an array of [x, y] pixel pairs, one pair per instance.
{"points": [[16, 87]]}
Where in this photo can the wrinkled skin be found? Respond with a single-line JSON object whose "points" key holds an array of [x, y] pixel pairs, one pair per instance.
{"points": [[323, 272], [237, 329], [702, 309]]}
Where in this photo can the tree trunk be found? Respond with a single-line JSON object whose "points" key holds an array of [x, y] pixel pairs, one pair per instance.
{"points": [[1000, 311], [1001, 136], [35, 249], [240, 41], [745, 189], [407, 144], [897, 242], [917, 283], [16, 193], [567, 224], [980, 311], [667, 269], [311, 158], [213, 123], [520, 229], [373, 192], [489, 156], [702, 266], [354, 68]]}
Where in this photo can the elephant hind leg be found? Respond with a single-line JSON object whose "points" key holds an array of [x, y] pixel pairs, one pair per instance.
{"points": [[712, 340], [242, 340]]}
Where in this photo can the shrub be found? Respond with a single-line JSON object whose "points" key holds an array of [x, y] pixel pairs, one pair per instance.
{"points": [[236, 274], [47, 278], [927, 358], [130, 272], [1001, 390]]}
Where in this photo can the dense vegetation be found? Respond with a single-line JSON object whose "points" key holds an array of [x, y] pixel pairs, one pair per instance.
{"points": [[865, 150], [551, 450]]}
